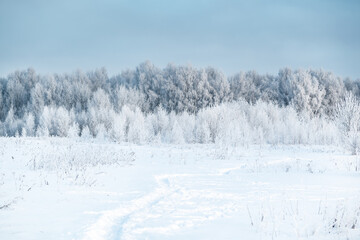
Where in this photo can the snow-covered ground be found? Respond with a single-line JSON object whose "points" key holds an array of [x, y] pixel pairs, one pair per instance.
{"points": [[56, 188]]}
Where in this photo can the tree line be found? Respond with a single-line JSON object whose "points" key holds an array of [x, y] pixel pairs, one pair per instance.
{"points": [[93, 103]]}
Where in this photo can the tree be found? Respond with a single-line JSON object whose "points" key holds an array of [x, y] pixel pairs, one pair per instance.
{"points": [[85, 133], [10, 123], [61, 122], [17, 93], [202, 131], [148, 80], [37, 102], [137, 132], [30, 124], [44, 123], [348, 119], [118, 129], [74, 130], [308, 93], [176, 135]]}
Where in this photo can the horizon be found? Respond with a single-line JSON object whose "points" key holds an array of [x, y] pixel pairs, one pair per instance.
{"points": [[113, 74]]}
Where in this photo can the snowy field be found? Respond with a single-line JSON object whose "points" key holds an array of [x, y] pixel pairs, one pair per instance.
{"points": [[55, 188]]}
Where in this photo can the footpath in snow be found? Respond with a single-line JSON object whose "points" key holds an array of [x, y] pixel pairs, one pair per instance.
{"points": [[68, 189]]}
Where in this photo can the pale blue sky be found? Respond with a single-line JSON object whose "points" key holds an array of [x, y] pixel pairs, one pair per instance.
{"points": [[65, 35]]}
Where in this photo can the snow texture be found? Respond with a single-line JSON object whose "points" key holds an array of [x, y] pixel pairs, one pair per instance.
{"points": [[57, 188]]}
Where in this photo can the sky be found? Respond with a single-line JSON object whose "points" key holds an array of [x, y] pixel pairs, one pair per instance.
{"points": [[232, 36]]}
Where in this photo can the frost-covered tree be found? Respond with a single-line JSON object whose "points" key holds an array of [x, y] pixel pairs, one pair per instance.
{"points": [[348, 119], [85, 133], [202, 132], [118, 130], [101, 132], [60, 122], [175, 132], [148, 80], [187, 124], [74, 130], [10, 124], [44, 123], [37, 101], [30, 124], [308, 93], [137, 133], [179, 104], [17, 93]]}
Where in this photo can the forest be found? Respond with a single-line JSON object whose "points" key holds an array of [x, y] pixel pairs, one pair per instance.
{"points": [[183, 104]]}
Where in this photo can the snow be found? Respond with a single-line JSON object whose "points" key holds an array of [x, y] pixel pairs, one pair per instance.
{"points": [[55, 188]]}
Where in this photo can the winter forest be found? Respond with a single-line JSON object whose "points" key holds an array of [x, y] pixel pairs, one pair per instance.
{"points": [[183, 104], [216, 120]]}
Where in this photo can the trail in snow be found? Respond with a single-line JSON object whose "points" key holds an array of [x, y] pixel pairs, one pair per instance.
{"points": [[183, 201], [273, 193], [120, 223], [103, 228]]}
